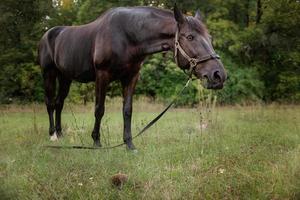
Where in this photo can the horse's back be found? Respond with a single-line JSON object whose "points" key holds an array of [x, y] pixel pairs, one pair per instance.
{"points": [[106, 42]]}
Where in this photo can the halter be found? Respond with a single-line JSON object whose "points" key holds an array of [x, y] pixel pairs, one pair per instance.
{"points": [[192, 61]]}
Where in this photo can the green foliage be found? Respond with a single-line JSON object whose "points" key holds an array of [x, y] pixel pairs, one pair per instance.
{"points": [[19, 80], [224, 33], [259, 40], [243, 84], [161, 78], [20, 77], [82, 93], [92, 9], [268, 41], [273, 45], [288, 87]]}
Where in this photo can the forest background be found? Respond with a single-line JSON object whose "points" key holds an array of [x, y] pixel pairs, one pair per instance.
{"points": [[258, 41]]}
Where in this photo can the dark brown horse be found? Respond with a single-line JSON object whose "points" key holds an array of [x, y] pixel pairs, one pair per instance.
{"points": [[113, 47]]}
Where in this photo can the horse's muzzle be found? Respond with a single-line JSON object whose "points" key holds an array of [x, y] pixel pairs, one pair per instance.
{"points": [[214, 80], [214, 86]]}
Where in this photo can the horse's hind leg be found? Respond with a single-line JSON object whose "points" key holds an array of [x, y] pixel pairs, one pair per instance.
{"points": [[49, 75], [63, 91]]}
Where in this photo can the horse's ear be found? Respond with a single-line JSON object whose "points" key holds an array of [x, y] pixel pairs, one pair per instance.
{"points": [[198, 15], [178, 15]]}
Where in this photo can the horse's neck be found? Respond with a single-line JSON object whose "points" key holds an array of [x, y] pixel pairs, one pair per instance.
{"points": [[160, 38]]}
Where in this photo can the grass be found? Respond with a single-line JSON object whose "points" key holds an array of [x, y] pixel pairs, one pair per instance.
{"points": [[236, 152]]}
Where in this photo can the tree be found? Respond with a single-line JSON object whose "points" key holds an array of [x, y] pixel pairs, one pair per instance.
{"points": [[19, 74], [259, 41]]}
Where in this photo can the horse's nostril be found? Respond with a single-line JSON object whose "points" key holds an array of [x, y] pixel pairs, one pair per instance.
{"points": [[205, 76], [217, 76]]}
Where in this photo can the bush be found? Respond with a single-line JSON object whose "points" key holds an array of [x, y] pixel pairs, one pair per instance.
{"points": [[19, 80], [242, 86], [161, 79]]}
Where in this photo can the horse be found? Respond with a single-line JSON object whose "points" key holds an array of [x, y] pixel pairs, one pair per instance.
{"points": [[112, 48]]}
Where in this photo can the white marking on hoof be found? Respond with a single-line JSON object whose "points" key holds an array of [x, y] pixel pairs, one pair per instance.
{"points": [[53, 137]]}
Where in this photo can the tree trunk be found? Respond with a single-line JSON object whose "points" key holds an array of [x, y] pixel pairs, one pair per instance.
{"points": [[258, 11], [247, 13]]}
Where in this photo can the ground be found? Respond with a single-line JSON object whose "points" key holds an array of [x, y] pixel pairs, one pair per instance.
{"points": [[231, 152]]}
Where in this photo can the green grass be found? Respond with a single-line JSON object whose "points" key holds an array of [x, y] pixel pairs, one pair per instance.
{"points": [[244, 153]]}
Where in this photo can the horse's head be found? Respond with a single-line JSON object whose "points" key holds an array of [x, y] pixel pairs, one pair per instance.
{"points": [[194, 50]]}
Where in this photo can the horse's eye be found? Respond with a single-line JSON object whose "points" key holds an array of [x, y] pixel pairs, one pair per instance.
{"points": [[190, 37]]}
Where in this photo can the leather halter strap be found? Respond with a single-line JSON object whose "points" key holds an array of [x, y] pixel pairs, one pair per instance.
{"points": [[192, 61]]}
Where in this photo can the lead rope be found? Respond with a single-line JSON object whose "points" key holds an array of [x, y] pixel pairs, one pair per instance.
{"points": [[140, 133]]}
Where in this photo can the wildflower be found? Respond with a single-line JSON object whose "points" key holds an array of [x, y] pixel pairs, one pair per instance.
{"points": [[204, 125]]}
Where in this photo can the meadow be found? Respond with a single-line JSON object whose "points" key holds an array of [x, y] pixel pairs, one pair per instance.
{"points": [[208, 152]]}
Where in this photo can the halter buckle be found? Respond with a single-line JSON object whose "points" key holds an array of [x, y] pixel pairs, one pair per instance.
{"points": [[193, 62]]}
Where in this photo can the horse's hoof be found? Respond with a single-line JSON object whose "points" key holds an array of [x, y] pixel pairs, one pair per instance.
{"points": [[59, 134], [53, 137], [97, 144], [132, 150], [131, 147]]}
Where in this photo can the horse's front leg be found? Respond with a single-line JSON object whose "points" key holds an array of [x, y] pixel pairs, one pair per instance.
{"points": [[102, 81], [128, 90]]}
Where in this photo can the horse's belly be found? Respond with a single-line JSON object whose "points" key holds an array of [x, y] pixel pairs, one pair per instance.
{"points": [[86, 76], [81, 74]]}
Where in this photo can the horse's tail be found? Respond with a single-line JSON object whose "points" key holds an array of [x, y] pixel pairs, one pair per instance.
{"points": [[45, 52]]}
